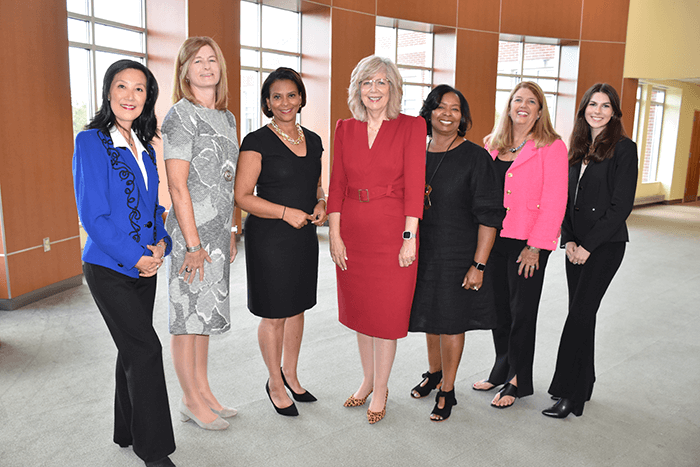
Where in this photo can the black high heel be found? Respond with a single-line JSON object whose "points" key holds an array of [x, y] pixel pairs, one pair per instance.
{"points": [[433, 382], [563, 408], [443, 413], [306, 396], [290, 411]]}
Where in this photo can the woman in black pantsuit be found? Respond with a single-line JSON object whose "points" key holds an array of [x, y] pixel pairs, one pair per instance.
{"points": [[602, 182], [116, 190]]}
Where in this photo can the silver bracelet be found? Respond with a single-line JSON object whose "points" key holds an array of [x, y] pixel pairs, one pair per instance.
{"points": [[193, 249], [322, 199]]}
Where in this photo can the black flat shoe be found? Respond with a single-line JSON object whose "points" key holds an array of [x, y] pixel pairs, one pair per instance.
{"points": [[306, 396], [563, 408], [433, 381], [443, 413], [555, 398], [493, 385], [164, 462], [507, 390], [290, 411]]}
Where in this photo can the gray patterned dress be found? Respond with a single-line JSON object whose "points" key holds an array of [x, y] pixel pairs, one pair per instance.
{"points": [[207, 139]]}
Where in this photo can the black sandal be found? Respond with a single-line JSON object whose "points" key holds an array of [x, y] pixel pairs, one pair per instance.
{"points": [[507, 390], [433, 382], [445, 412]]}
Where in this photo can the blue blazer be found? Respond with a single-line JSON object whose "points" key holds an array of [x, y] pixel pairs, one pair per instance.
{"points": [[119, 215]]}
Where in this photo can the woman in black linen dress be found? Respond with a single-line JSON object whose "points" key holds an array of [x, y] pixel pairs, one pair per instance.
{"points": [[283, 160], [463, 209]]}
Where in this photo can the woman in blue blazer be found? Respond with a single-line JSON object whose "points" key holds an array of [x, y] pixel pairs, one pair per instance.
{"points": [[603, 170], [116, 190]]}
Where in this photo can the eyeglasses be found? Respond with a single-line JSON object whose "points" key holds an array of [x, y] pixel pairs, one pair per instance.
{"points": [[381, 83]]}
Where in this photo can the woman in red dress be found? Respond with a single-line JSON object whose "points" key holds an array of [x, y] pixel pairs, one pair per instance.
{"points": [[376, 188]]}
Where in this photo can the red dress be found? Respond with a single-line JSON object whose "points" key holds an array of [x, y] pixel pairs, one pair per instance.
{"points": [[374, 189]]}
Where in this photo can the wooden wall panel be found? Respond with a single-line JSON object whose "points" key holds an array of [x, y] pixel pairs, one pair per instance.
{"points": [[4, 291], [167, 29], [477, 64], [483, 15], [419, 10], [628, 97], [315, 59], [600, 62], [605, 20], [363, 6], [34, 269], [545, 18], [36, 178]]}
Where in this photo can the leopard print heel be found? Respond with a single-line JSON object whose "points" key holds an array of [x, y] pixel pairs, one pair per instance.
{"points": [[352, 401]]}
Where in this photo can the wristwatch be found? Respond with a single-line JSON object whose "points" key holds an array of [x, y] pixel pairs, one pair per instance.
{"points": [[407, 235], [533, 249], [479, 266]]}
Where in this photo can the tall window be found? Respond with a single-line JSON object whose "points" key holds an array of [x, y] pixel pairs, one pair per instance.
{"points": [[100, 32], [270, 38], [518, 61], [649, 127], [412, 51]]}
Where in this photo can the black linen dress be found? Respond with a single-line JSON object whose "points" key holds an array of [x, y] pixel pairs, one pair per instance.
{"points": [[465, 193], [281, 261]]}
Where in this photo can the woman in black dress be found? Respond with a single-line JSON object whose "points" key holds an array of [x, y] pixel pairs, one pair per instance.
{"points": [[283, 160], [463, 209], [603, 169]]}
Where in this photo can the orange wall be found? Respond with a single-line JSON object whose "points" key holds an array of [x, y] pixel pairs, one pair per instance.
{"points": [[35, 162]]}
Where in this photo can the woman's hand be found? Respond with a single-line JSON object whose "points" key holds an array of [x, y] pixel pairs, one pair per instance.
{"points": [[529, 261], [407, 254], [234, 247], [338, 253], [158, 250], [579, 255], [319, 215], [296, 217], [474, 279], [148, 265], [193, 262]]}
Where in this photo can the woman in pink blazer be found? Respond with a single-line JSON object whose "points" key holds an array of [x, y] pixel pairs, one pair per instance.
{"points": [[531, 160]]}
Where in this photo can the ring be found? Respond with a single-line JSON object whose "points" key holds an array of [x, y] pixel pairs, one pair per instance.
{"points": [[475, 288], [188, 270], [532, 267]]}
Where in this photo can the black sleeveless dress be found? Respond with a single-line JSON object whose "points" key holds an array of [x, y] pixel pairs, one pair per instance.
{"points": [[281, 261]]}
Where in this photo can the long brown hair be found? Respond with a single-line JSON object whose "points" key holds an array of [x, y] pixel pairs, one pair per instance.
{"points": [[581, 147], [542, 132], [181, 86]]}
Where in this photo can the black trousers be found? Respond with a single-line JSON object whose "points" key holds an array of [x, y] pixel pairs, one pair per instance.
{"points": [[141, 409], [575, 371], [517, 302]]}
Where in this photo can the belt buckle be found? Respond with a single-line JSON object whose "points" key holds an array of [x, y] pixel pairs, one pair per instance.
{"points": [[359, 195]]}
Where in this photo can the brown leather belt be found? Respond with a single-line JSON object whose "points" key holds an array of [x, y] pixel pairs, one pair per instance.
{"points": [[365, 195]]}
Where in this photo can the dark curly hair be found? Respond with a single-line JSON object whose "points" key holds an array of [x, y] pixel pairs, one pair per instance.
{"points": [[433, 101], [280, 74], [146, 125]]}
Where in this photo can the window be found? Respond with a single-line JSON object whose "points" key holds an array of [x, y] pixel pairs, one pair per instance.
{"points": [[100, 32], [647, 128], [412, 51], [528, 59], [270, 38]]}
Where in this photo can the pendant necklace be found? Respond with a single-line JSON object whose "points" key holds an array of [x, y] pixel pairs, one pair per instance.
{"points": [[285, 136], [428, 187], [514, 150]]}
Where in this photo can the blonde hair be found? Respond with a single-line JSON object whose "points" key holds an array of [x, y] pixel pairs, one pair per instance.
{"points": [[366, 69], [181, 86], [543, 133]]}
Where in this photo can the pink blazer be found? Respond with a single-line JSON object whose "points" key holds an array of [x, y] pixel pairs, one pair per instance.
{"points": [[535, 194]]}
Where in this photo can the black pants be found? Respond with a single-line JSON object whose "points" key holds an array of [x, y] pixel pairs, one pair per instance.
{"points": [[517, 302], [141, 409], [575, 371]]}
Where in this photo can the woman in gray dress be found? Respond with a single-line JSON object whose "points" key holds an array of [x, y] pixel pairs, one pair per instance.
{"points": [[201, 150]]}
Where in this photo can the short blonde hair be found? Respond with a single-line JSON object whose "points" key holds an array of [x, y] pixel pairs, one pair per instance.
{"points": [[543, 132], [181, 87], [366, 69]]}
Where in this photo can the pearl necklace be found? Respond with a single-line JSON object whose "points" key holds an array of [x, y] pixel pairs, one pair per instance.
{"points": [[285, 136]]}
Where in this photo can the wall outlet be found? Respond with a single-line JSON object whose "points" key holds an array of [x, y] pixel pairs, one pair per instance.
{"points": [[47, 244]]}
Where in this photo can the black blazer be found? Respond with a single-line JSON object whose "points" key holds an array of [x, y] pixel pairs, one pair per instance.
{"points": [[605, 199]]}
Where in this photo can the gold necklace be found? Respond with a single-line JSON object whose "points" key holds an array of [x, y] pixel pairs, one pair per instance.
{"points": [[285, 136]]}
